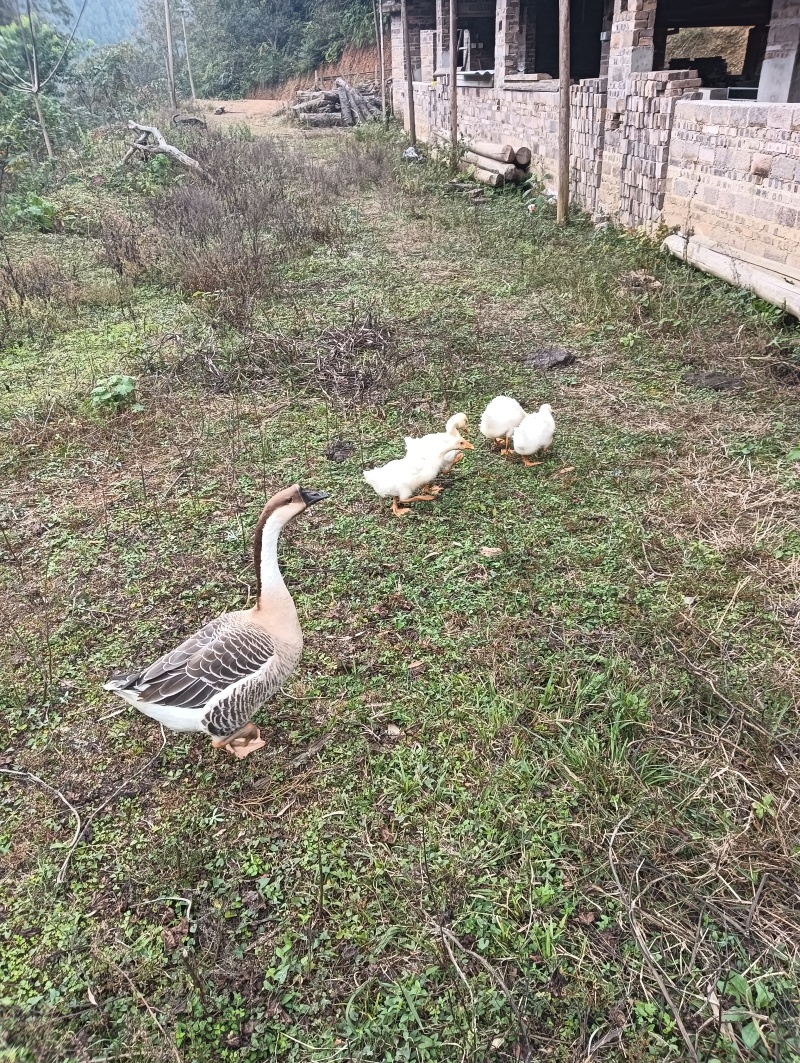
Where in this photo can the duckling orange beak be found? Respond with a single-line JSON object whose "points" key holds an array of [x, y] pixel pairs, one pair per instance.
{"points": [[468, 445]]}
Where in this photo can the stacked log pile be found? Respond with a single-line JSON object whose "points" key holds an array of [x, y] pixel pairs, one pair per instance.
{"points": [[345, 104], [496, 164]]}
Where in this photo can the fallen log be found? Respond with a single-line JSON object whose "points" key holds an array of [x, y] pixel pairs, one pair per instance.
{"points": [[507, 170], [308, 106], [359, 107], [522, 157], [486, 177], [320, 119], [344, 106], [161, 147], [496, 152]]}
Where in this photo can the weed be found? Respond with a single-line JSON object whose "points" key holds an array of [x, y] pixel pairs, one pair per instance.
{"points": [[29, 210], [116, 393], [121, 244]]}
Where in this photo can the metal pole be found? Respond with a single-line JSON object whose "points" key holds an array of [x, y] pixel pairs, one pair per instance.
{"points": [[186, 46], [453, 85], [170, 68], [412, 126], [562, 203]]}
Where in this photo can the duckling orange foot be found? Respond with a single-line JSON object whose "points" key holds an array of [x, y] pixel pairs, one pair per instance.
{"points": [[457, 459], [399, 511], [245, 741], [529, 463]]}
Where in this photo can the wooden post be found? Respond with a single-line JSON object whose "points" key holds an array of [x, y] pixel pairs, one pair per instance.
{"points": [[377, 7], [412, 126], [170, 67], [453, 85], [562, 203]]}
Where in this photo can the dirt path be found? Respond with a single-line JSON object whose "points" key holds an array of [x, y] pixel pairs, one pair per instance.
{"points": [[261, 116]]}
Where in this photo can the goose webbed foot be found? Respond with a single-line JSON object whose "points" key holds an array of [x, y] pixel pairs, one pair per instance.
{"points": [[243, 742]]}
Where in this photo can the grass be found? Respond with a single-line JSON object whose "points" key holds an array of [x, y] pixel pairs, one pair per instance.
{"points": [[536, 804]]}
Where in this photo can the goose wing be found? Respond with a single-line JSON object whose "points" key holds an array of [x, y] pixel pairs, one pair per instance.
{"points": [[222, 653]]}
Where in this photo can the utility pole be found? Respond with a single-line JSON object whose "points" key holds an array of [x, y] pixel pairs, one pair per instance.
{"points": [[412, 126], [170, 66], [453, 85], [186, 46], [562, 202]]}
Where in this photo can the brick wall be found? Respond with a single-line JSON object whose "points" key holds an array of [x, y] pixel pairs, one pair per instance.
{"points": [[734, 176], [644, 152], [587, 137], [636, 138]]}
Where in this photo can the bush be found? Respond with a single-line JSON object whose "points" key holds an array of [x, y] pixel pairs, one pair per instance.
{"points": [[39, 277], [264, 206], [116, 393], [121, 247], [31, 211]]}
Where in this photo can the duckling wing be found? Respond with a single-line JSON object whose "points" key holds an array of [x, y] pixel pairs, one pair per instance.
{"points": [[223, 653]]}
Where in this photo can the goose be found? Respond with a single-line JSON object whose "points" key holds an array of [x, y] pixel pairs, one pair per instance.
{"points": [[215, 680], [401, 478], [500, 418], [534, 433], [456, 424]]}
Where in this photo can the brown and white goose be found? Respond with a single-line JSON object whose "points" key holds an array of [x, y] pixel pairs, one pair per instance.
{"points": [[221, 675]]}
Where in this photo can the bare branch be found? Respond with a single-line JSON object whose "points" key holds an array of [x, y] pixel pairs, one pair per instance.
{"points": [[161, 147]]}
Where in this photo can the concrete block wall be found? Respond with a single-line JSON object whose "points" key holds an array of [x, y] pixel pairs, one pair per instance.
{"points": [[587, 135], [780, 71], [646, 130], [528, 117], [734, 176], [644, 151]]}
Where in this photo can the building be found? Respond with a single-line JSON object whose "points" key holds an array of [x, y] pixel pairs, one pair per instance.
{"points": [[685, 143]]}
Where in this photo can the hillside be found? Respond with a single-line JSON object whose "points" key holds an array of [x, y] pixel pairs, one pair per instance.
{"points": [[107, 21]]}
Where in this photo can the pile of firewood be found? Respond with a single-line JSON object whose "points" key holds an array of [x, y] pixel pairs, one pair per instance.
{"points": [[496, 164], [345, 104]]}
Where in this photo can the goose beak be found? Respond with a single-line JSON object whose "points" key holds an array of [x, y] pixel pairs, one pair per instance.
{"points": [[310, 497]]}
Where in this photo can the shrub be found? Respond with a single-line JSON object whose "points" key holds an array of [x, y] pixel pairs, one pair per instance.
{"points": [[264, 206], [39, 277], [30, 211], [121, 247], [117, 393]]}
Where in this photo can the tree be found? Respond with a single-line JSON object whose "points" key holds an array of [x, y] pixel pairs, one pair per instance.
{"points": [[31, 54]]}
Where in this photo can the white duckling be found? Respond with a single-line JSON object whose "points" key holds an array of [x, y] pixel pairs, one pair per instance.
{"points": [[500, 418], [221, 675], [430, 443], [534, 433], [402, 478]]}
